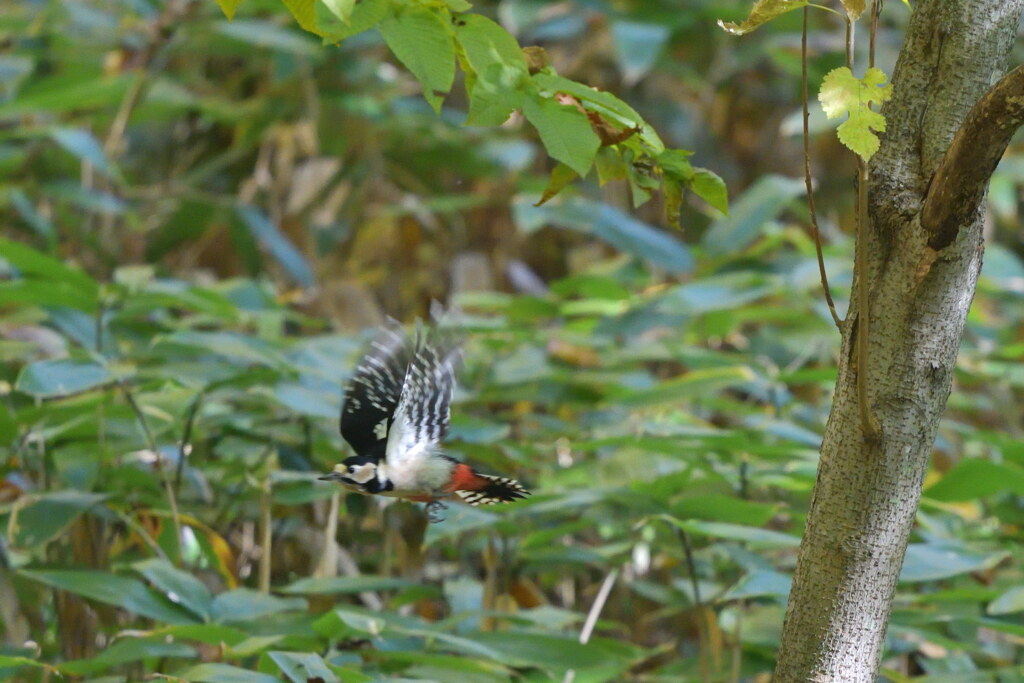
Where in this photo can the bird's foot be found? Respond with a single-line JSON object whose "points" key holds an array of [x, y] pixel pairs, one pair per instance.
{"points": [[435, 511]]}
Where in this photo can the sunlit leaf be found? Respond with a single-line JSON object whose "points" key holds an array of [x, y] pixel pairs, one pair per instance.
{"points": [[842, 93], [762, 12]]}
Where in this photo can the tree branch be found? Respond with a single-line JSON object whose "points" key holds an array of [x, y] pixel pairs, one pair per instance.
{"points": [[959, 185]]}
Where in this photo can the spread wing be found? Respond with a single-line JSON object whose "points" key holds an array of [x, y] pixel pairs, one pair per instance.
{"points": [[424, 411], [375, 390]]}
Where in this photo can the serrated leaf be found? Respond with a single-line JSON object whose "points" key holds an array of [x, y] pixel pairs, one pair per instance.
{"points": [[565, 132], [423, 42], [494, 65], [711, 188], [762, 12], [561, 175], [843, 93]]}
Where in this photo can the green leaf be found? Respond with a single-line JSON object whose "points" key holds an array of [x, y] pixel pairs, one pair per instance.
{"points": [[214, 672], [229, 7], [722, 508], [762, 12], [364, 16], [762, 202], [565, 132], [842, 93], [83, 145], [119, 591], [1010, 602], [974, 478], [424, 43], [304, 12], [561, 175], [48, 514], [56, 378], [759, 584], [301, 667], [735, 532], [37, 264], [933, 563], [711, 188], [179, 586], [341, 8], [694, 383], [279, 246], [244, 604], [333, 585], [495, 69], [127, 650]]}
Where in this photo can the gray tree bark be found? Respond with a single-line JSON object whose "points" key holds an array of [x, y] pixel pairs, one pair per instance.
{"points": [[925, 245]]}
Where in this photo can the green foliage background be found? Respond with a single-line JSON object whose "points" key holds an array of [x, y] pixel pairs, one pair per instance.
{"points": [[200, 216]]}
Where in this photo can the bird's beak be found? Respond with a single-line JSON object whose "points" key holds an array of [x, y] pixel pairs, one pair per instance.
{"points": [[333, 476]]}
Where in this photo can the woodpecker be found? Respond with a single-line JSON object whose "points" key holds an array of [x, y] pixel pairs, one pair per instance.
{"points": [[396, 412]]}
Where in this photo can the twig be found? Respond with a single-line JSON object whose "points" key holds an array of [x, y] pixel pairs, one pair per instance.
{"points": [[151, 440], [807, 178], [592, 616], [186, 436]]}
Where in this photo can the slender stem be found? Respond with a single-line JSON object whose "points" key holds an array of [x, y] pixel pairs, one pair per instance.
{"points": [[849, 43], [595, 611], [807, 177], [876, 9], [266, 537], [151, 441], [186, 437]]}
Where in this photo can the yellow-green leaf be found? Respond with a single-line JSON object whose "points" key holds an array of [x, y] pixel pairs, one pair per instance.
{"points": [[762, 12], [843, 93], [304, 12], [423, 42], [228, 7]]}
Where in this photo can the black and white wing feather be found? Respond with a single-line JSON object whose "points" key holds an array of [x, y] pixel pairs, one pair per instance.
{"points": [[373, 393], [424, 410]]}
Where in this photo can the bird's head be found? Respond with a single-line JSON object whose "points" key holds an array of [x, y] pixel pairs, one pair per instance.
{"points": [[359, 474]]}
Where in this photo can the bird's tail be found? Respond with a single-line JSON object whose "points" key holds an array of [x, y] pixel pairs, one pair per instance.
{"points": [[495, 490]]}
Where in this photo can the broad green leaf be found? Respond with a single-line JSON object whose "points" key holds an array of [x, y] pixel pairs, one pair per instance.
{"points": [[229, 7], [364, 16], [616, 227], [759, 584], [345, 584], [553, 652], [127, 650], [31, 262], [974, 478], [495, 69], [424, 43], [83, 145], [48, 514], [561, 175], [762, 12], [934, 563], [709, 187], [179, 586], [301, 667], [279, 246], [1010, 602], [736, 532], [761, 203], [55, 378], [214, 672], [341, 8], [269, 35], [722, 508], [565, 132], [842, 93], [694, 383], [119, 591], [304, 12], [244, 604]]}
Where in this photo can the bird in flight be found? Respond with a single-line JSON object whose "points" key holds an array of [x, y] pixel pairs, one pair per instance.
{"points": [[396, 412]]}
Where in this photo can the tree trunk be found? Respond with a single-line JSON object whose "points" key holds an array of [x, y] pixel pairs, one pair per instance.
{"points": [[922, 279]]}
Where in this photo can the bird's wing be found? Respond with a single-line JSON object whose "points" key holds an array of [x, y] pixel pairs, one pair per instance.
{"points": [[424, 411], [373, 393]]}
